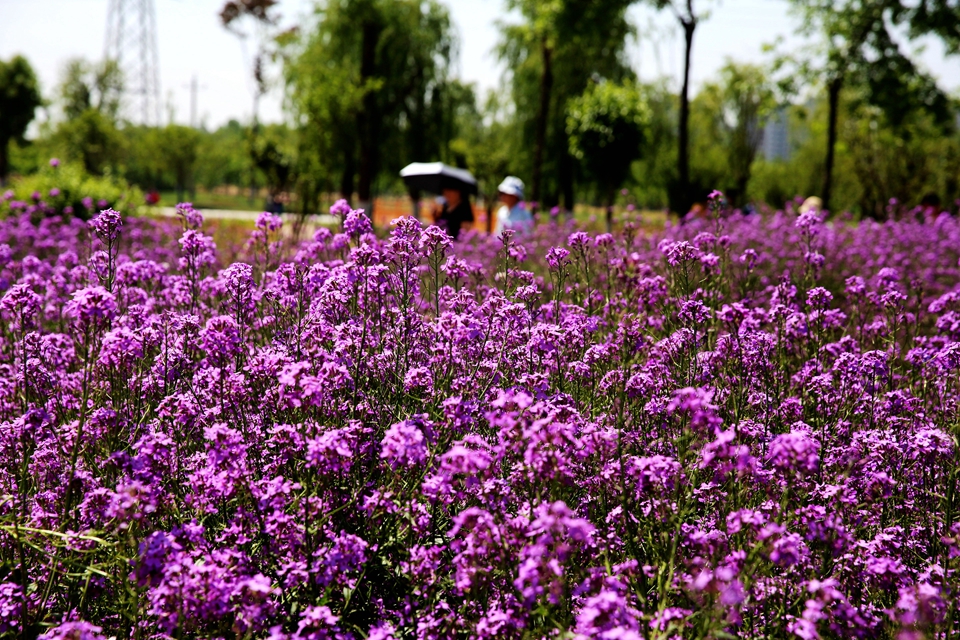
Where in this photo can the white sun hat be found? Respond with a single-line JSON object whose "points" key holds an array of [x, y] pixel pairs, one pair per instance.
{"points": [[512, 186]]}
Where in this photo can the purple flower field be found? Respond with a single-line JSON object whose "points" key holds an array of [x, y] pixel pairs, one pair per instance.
{"points": [[737, 427]]}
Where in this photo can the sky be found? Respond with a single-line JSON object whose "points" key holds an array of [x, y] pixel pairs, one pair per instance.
{"points": [[192, 43]]}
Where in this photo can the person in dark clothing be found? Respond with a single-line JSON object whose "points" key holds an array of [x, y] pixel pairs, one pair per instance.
{"points": [[931, 204], [456, 213]]}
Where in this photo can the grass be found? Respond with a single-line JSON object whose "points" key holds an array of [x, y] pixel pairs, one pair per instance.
{"points": [[204, 199]]}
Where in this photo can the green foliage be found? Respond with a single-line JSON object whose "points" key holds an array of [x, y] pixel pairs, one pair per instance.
{"points": [[903, 159], [876, 160], [89, 98], [856, 49], [739, 103], [221, 156], [273, 157], [935, 17], [370, 88], [19, 99], [486, 143], [605, 126], [579, 40], [178, 147], [72, 185], [87, 86], [91, 139], [656, 169]]}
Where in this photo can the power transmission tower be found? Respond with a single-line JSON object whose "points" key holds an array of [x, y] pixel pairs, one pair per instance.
{"points": [[132, 42]]}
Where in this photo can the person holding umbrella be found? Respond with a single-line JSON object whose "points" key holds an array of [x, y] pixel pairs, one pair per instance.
{"points": [[456, 213], [453, 183]]}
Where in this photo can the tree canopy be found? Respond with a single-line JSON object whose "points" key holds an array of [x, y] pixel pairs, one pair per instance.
{"points": [[552, 54], [370, 84], [740, 101], [19, 99], [856, 47], [606, 126]]}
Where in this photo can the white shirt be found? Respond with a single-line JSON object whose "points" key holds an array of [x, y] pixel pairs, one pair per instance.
{"points": [[516, 218]]}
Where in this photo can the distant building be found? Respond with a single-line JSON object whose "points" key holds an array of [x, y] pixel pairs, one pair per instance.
{"points": [[776, 137]]}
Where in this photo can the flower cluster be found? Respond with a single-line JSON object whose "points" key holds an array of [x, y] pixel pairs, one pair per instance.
{"points": [[741, 426]]}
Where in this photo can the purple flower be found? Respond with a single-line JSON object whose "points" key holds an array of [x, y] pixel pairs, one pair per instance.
{"points": [[795, 451], [21, 304], [356, 223], [78, 630], [197, 249], [267, 221], [91, 304], [578, 240], [192, 219], [340, 208], [557, 257], [107, 225], [403, 445]]}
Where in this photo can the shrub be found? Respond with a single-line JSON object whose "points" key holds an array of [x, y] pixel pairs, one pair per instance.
{"points": [[66, 189]]}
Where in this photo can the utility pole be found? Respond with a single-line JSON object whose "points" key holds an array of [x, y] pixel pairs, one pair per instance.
{"points": [[194, 87]]}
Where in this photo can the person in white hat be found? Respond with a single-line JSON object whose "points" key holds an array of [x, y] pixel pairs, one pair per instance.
{"points": [[512, 214]]}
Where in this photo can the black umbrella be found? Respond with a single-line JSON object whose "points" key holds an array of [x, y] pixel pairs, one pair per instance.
{"points": [[436, 176]]}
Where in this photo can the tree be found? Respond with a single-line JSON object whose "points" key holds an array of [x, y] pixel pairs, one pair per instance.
{"points": [[222, 156], [553, 54], [740, 102], [540, 34], [93, 140], [688, 18], [261, 14], [606, 126], [371, 87], [905, 162], [19, 99], [178, 147], [89, 96], [486, 144], [86, 85], [857, 47]]}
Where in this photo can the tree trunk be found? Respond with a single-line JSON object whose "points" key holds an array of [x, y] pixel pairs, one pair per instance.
{"points": [[833, 90], [684, 199], [566, 179], [546, 86], [368, 119], [611, 197], [346, 178], [4, 161], [742, 181], [254, 131]]}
